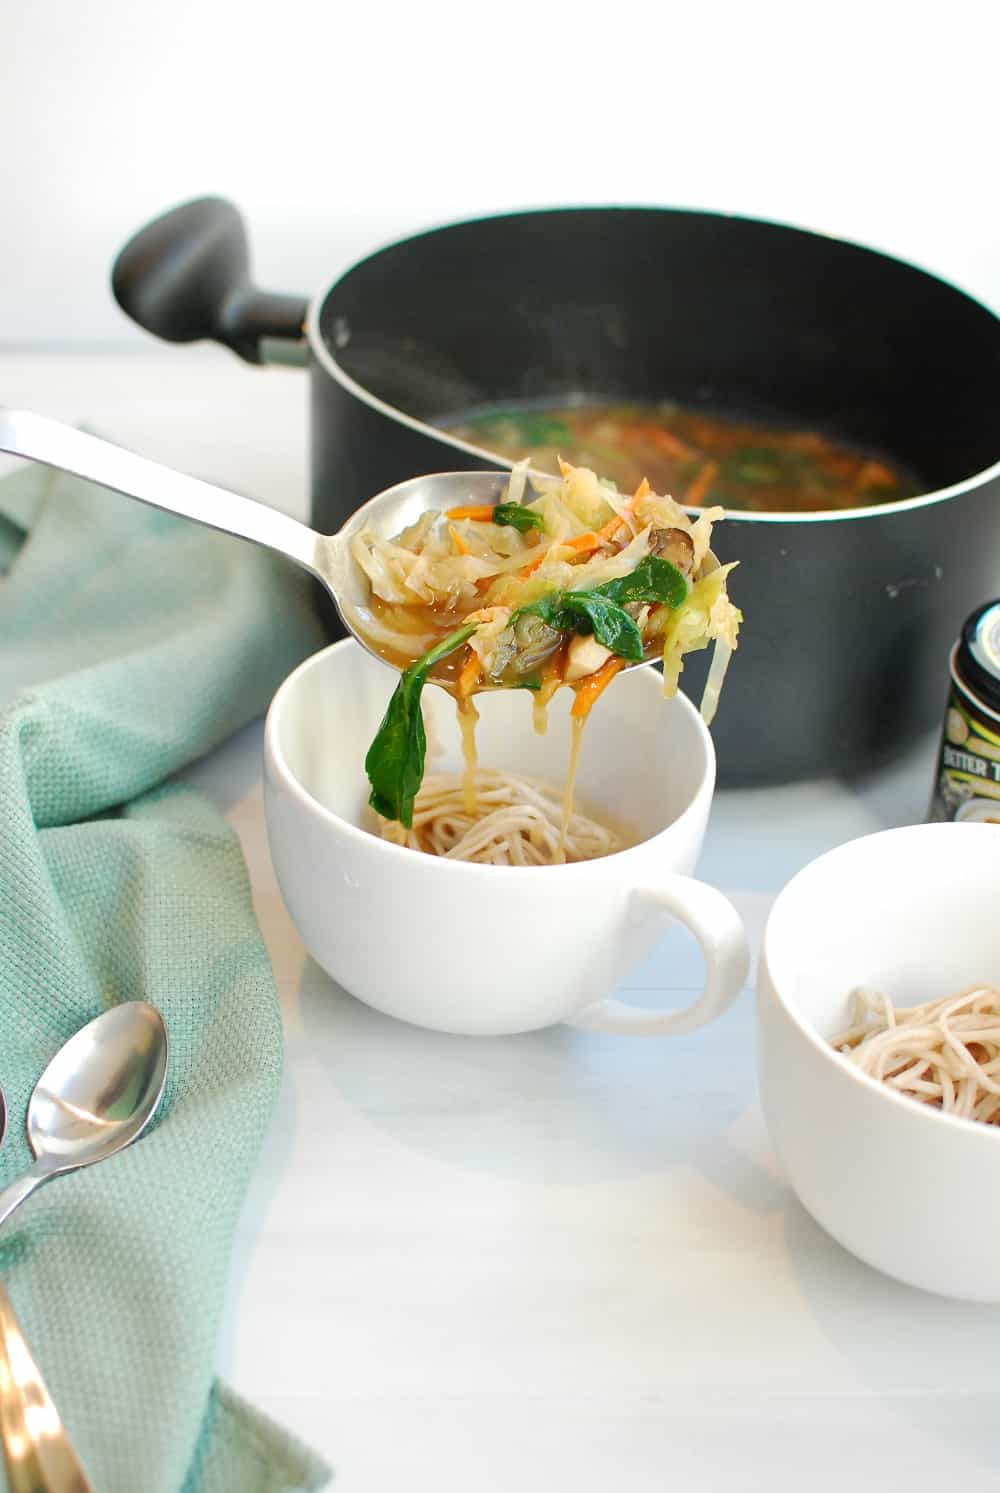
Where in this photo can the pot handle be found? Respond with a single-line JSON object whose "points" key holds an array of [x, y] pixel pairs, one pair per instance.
{"points": [[186, 276]]}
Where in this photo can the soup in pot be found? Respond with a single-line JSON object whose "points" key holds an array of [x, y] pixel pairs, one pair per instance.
{"points": [[701, 459]]}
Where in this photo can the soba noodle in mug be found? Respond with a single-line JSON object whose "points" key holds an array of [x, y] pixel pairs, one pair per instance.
{"points": [[485, 948]]}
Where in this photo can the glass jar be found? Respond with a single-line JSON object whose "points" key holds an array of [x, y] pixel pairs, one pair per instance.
{"points": [[967, 786]]}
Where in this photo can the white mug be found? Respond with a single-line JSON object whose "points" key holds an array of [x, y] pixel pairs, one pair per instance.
{"points": [[478, 949]]}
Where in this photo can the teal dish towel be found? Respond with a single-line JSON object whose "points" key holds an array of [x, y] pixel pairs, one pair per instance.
{"points": [[130, 644]]}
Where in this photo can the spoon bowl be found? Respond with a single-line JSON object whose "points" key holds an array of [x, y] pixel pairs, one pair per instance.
{"points": [[101, 1089], [96, 1096]]}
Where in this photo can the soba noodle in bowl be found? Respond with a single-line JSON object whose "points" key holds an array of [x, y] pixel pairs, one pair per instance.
{"points": [[944, 1053], [564, 589]]}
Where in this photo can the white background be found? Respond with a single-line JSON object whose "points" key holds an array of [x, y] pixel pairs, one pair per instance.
{"points": [[337, 127]]}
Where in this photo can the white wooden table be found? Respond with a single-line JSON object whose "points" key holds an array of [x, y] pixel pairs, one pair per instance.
{"points": [[555, 1261]]}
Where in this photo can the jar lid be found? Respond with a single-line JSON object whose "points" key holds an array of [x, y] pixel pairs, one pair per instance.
{"points": [[978, 659]]}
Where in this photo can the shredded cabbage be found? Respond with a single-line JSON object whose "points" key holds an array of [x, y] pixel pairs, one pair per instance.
{"points": [[462, 565], [707, 614]]}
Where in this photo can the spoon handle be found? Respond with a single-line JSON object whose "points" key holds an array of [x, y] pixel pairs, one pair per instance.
{"points": [[57, 445], [21, 1188], [38, 1454]]}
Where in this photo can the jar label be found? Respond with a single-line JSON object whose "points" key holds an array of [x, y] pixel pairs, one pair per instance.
{"points": [[968, 777]]}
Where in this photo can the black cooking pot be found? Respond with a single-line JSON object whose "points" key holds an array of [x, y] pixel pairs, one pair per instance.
{"points": [[849, 616]]}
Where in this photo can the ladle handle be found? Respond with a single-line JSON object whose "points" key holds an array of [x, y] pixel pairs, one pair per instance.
{"points": [[70, 450], [38, 1454]]}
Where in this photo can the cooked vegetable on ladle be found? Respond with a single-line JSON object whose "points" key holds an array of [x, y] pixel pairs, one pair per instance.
{"points": [[567, 588]]}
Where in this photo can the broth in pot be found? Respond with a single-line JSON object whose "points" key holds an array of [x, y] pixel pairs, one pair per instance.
{"points": [[699, 458]]}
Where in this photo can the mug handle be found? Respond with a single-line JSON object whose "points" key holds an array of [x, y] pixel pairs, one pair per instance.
{"points": [[717, 926]]}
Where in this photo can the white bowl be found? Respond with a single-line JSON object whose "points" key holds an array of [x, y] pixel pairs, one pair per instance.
{"points": [[912, 912], [496, 949]]}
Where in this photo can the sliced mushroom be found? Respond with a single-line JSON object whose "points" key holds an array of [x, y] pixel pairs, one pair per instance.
{"points": [[584, 656], [675, 546]]}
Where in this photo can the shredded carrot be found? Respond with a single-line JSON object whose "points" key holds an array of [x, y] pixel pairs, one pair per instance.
{"points": [[591, 688], [582, 542], [875, 474], [457, 540], [552, 676], [668, 443], [480, 514], [610, 529], [594, 538], [532, 565], [701, 485], [469, 676]]}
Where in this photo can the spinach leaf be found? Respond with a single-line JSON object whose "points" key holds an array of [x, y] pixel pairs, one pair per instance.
{"points": [[610, 624], [517, 516], [586, 612], [652, 580], [601, 610], [551, 610], [395, 760], [536, 428]]}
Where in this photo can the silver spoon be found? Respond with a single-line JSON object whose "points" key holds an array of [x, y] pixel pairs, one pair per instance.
{"points": [[95, 1097], [327, 557]]}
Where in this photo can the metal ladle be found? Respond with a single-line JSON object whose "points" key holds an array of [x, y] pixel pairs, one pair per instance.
{"points": [[327, 557], [95, 1097]]}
